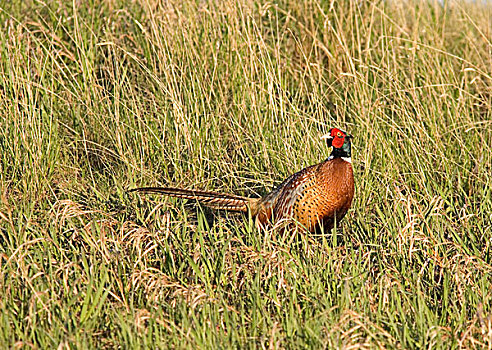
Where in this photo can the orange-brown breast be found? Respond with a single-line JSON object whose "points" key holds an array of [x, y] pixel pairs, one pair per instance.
{"points": [[316, 196]]}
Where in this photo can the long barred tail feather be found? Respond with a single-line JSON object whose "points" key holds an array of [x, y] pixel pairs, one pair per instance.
{"points": [[211, 199]]}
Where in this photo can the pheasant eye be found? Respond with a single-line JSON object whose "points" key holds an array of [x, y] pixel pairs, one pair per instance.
{"points": [[339, 134]]}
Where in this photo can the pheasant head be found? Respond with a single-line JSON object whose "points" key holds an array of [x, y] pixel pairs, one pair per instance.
{"points": [[340, 141]]}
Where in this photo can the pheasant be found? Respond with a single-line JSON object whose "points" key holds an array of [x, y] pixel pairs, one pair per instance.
{"points": [[315, 197]]}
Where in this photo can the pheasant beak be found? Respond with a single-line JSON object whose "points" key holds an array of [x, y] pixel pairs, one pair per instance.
{"points": [[328, 138]]}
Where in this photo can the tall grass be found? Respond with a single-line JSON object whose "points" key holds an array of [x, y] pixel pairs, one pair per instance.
{"points": [[99, 96]]}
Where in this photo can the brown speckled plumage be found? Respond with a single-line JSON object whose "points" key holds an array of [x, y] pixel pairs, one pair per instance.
{"points": [[314, 197]]}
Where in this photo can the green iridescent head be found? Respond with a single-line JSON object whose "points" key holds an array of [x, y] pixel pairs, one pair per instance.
{"points": [[340, 141]]}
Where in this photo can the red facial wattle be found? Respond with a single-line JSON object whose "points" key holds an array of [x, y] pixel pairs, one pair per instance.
{"points": [[338, 138]]}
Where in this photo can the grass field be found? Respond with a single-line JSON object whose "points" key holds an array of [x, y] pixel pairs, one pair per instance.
{"points": [[100, 96]]}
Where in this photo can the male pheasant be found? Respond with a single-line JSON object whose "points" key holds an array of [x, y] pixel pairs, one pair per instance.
{"points": [[317, 196]]}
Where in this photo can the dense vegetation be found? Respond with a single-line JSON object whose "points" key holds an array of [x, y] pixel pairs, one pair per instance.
{"points": [[99, 96]]}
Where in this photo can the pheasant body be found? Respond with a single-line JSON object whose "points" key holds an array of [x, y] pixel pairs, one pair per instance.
{"points": [[317, 196]]}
